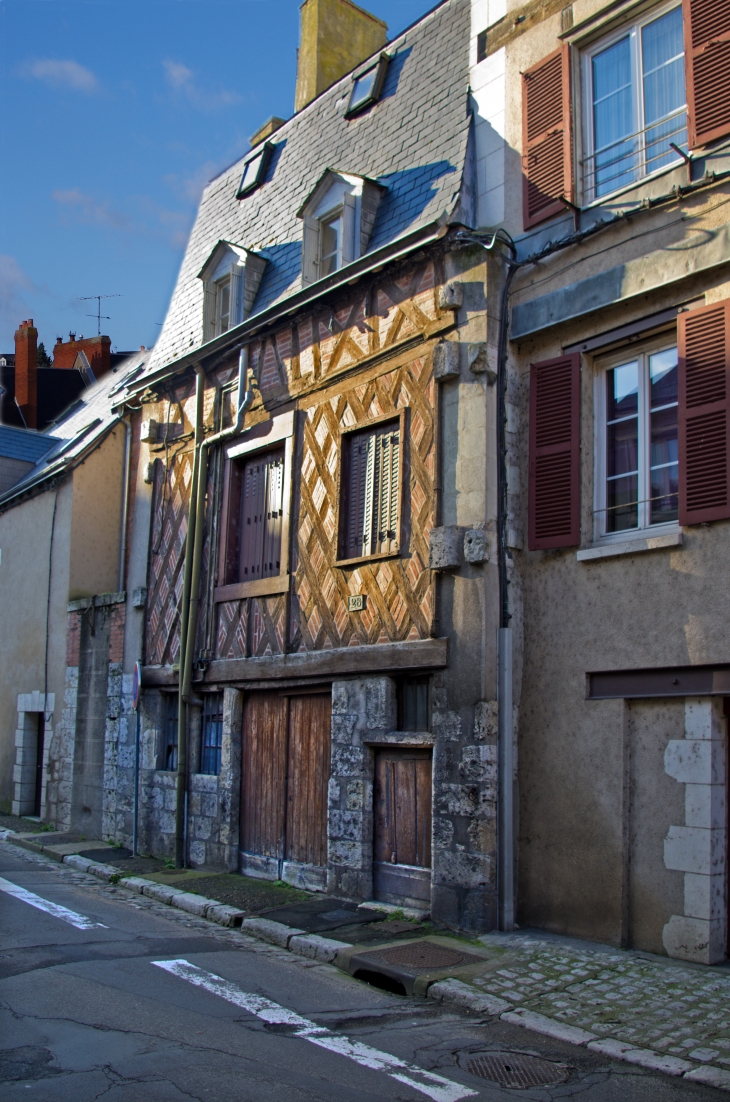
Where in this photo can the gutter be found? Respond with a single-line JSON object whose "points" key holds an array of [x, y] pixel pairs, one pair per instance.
{"points": [[125, 500], [402, 247]]}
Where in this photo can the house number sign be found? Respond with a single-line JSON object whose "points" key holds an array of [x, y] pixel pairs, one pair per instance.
{"points": [[356, 603]]}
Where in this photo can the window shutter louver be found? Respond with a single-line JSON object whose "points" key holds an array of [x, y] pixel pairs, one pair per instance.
{"points": [[349, 208], [310, 250], [237, 295], [208, 312], [369, 483], [547, 167], [371, 512], [554, 479], [704, 413], [707, 66]]}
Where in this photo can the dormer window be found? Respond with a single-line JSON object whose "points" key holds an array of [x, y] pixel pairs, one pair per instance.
{"points": [[367, 86], [231, 277], [254, 170], [338, 220]]}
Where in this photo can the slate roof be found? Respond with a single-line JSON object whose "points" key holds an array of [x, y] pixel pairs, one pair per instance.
{"points": [[84, 425], [413, 141], [24, 444]]}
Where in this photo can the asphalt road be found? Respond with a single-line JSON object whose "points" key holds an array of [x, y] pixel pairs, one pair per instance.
{"points": [[114, 996]]}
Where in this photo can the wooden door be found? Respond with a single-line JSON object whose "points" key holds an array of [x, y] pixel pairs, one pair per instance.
{"points": [[285, 769], [263, 779], [308, 772], [402, 843]]}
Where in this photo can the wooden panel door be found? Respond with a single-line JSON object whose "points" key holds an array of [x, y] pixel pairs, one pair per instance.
{"points": [[402, 843], [308, 771], [263, 774]]}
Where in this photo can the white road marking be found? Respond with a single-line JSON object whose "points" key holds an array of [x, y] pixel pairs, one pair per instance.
{"points": [[81, 922], [434, 1086]]}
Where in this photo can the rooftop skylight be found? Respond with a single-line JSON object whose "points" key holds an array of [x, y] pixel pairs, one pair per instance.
{"points": [[367, 86], [254, 170]]}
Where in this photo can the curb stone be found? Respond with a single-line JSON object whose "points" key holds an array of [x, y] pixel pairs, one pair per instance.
{"points": [[445, 991]]}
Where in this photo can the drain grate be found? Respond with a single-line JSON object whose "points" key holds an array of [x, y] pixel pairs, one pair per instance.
{"points": [[423, 954], [512, 1069]]}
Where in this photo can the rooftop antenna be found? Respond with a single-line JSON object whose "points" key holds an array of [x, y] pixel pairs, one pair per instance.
{"points": [[98, 315]]}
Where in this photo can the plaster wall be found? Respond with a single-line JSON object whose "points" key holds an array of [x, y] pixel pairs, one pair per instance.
{"points": [[96, 519], [25, 535]]}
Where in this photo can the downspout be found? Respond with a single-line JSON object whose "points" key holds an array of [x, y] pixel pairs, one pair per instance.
{"points": [[125, 500], [191, 582]]}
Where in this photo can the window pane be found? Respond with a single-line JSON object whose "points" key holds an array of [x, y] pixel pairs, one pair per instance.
{"points": [[623, 447], [623, 390], [224, 306], [664, 88], [663, 377], [170, 703], [212, 740], [622, 500], [363, 87], [251, 171], [664, 494], [330, 241], [664, 448], [613, 117]]}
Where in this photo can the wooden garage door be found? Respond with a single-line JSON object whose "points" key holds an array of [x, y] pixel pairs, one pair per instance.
{"points": [[402, 844], [285, 770]]}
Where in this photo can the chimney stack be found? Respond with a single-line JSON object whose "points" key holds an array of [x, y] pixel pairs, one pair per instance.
{"points": [[96, 349], [26, 372], [335, 36]]}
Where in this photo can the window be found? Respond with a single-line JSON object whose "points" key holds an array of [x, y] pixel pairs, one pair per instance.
{"points": [[256, 509], [211, 742], [412, 699], [169, 730], [330, 245], [223, 305], [367, 86], [338, 215], [370, 504], [635, 103], [254, 171], [231, 277], [640, 434]]}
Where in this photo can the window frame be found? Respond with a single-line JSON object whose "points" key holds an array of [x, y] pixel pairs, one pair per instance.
{"points": [[337, 214], [217, 748], [401, 418], [169, 747], [265, 159], [381, 65], [259, 439], [585, 51], [602, 363]]}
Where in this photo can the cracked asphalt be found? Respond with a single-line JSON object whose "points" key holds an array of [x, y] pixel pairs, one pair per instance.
{"points": [[85, 1015]]}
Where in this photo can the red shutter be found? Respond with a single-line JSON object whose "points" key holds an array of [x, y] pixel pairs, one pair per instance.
{"points": [[707, 60], [547, 156], [554, 488], [704, 413]]}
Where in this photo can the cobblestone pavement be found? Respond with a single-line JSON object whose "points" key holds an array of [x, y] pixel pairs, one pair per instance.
{"points": [[673, 1009]]}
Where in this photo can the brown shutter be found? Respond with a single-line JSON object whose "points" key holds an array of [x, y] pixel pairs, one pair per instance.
{"points": [[707, 61], [554, 485], [547, 157], [704, 413], [230, 523]]}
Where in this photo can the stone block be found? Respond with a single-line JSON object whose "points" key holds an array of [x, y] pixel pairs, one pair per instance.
{"points": [[196, 851], [275, 933], [161, 892], [476, 547], [135, 884], [463, 870], [315, 947], [357, 793], [347, 761], [450, 295], [102, 871], [704, 805], [704, 896], [704, 719], [345, 824], [477, 357], [343, 728], [695, 939], [343, 852], [446, 360], [478, 763], [461, 994], [485, 721], [443, 832], [692, 849], [446, 547], [695, 761], [310, 878], [193, 904], [224, 915], [77, 862], [380, 707]]}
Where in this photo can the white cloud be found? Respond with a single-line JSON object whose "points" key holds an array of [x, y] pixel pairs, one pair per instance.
{"points": [[182, 81], [62, 74], [88, 210], [190, 187]]}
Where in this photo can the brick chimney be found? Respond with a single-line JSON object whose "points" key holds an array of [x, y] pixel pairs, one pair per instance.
{"points": [[26, 372], [335, 36], [97, 351]]}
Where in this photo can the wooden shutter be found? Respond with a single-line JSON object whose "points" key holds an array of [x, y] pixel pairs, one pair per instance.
{"points": [[357, 483], [208, 311], [237, 278], [349, 210], [547, 159], [554, 483], [261, 516], [385, 536], [707, 65], [704, 413], [229, 549], [310, 250]]}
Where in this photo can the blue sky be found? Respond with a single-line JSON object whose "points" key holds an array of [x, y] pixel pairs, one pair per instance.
{"points": [[113, 114]]}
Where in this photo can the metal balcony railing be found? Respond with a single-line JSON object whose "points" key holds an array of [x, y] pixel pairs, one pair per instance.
{"points": [[632, 157]]}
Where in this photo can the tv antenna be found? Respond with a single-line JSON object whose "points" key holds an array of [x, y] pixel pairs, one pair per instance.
{"points": [[98, 315]]}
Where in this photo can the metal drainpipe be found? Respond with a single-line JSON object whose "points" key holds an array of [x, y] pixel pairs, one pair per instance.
{"points": [[191, 583], [182, 726], [125, 501]]}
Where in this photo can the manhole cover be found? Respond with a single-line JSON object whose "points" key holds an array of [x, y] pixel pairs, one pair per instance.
{"points": [[423, 954], [511, 1069]]}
